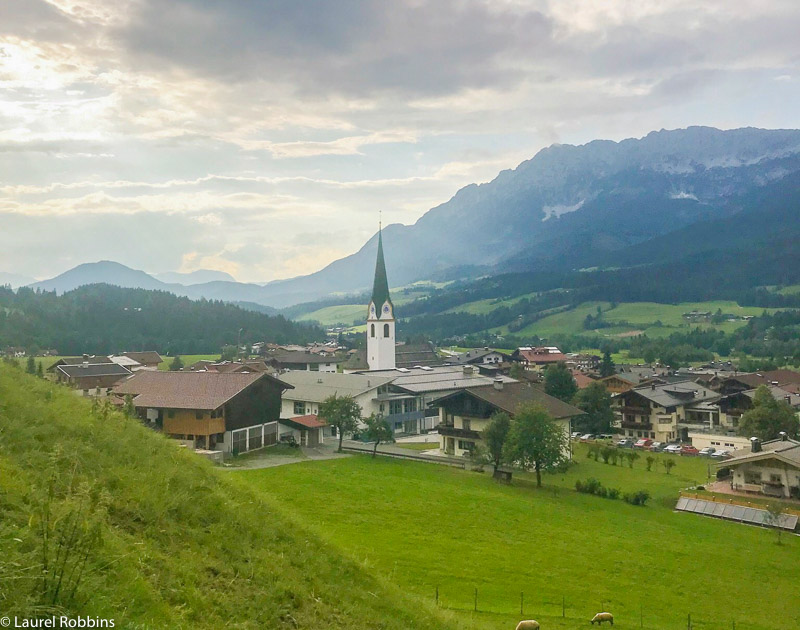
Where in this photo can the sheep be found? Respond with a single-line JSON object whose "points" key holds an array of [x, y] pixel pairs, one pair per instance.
{"points": [[528, 624], [601, 617]]}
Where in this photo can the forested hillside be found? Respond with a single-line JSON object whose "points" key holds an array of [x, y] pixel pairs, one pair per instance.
{"points": [[102, 517], [103, 319]]}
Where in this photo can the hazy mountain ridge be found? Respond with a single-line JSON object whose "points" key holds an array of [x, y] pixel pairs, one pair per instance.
{"points": [[619, 195]]}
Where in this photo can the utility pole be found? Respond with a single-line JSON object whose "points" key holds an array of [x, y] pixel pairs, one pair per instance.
{"points": [[239, 343]]}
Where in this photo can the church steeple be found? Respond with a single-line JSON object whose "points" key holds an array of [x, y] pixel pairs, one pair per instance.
{"points": [[380, 287]]}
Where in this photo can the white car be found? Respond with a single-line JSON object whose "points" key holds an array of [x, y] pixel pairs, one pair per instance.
{"points": [[723, 454], [673, 448]]}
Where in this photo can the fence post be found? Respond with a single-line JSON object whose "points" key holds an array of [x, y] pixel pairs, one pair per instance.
{"points": [[689, 622], [563, 607], [476, 599], [641, 616], [437, 594], [521, 602]]}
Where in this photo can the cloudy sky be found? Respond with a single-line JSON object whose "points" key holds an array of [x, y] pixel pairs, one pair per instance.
{"points": [[262, 137]]}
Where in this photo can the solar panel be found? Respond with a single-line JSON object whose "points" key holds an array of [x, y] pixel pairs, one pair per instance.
{"points": [[719, 509], [740, 513], [690, 507], [749, 515], [682, 503], [737, 512]]}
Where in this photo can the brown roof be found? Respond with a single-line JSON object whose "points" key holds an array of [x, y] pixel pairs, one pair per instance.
{"points": [[149, 357], [409, 355], [512, 395], [542, 355], [309, 422], [294, 357], [187, 390]]}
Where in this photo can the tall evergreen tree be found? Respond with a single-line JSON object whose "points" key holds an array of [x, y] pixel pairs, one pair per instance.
{"points": [[558, 382], [595, 401], [607, 367], [30, 366]]}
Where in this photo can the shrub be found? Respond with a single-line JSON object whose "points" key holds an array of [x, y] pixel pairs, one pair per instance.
{"points": [[613, 493], [614, 456], [650, 460], [606, 453], [636, 498]]}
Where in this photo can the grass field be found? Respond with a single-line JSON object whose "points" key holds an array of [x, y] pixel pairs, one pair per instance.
{"points": [[639, 316], [424, 526], [339, 314], [169, 541]]}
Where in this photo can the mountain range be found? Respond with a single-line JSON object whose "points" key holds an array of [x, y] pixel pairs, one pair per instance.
{"points": [[603, 204]]}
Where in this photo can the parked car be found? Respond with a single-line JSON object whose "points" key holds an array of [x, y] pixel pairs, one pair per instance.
{"points": [[575, 435], [723, 454], [625, 443], [643, 443], [605, 436], [708, 451], [587, 437], [657, 447], [673, 449], [688, 449]]}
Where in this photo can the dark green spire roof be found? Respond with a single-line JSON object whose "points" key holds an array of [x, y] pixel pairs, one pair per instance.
{"points": [[380, 288]]}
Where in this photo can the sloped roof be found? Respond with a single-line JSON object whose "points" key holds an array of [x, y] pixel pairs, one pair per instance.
{"points": [[380, 286], [412, 354], [292, 357], [437, 379], [78, 360], [786, 450], [512, 395], [82, 370], [308, 422], [188, 390], [317, 386], [675, 394], [149, 357]]}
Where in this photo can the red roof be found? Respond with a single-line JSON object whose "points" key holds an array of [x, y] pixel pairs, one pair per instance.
{"points": [[311, 421], [537, 355], [582, 379]]}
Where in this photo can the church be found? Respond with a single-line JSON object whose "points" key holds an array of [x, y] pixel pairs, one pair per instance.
{"points": [[382, 351]]}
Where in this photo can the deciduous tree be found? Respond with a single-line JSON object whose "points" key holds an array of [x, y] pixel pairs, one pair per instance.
{"points": [[558, 382], [377, 431], [595, 401], [536, 441], [768, 417], [495, 436], [341, 412]]}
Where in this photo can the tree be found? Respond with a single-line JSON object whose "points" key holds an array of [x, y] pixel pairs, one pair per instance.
{"points": [[774, 514], [595, 401], [631, 456], [30, 366], [128, 408], [377, 431], [558, 382], [39, 370], [650, 461], [535, 440], [176, 365], [229, 353], [517, 370], [607, 367], [768, 417], [495, 436], [341, 412], [668, 465]]}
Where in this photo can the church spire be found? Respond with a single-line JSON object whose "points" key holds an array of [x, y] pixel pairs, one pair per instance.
{"points": [[380, 287]]}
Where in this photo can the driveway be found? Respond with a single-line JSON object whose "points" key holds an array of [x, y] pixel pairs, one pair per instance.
{"points": [[267, 459]]}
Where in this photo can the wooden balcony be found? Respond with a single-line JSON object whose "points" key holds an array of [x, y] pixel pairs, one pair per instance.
{"points": [[640, 426], [459, 433]]}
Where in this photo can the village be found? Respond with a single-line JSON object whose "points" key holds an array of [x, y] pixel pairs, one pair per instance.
{"points": [[442, 401]]}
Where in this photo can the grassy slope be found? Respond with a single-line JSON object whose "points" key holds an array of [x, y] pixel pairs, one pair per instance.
{"points": [[184, 545], [424, 525]]}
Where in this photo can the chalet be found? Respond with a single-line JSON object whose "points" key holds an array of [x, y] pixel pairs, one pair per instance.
{"points": [[232, 413], [464, 414], [771, 468], [538, 358], [730, 384], [480, 356], [302, 361], [90, 377], [617, 383], [86, 358], [666, 412], [148, 360]]}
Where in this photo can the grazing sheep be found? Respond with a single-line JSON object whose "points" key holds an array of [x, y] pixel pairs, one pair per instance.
{"points": [[601, 617], [528, 624]]}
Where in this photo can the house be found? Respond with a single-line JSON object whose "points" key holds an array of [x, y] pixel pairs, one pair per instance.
{"points": [[94, 359], [729, 384], [582, 380], [539, 357], [310, 389], [771, 468], [126, 362], [90, 377], [305, 430], [148, 360], [406, 355], [584, 362], [232, 413], [616, 383], [302, 361], [666, 412], [480, 356], [407, 399], [465, 413]]}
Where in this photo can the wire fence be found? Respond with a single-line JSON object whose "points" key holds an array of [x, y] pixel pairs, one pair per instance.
{"points": [[575, 610]]}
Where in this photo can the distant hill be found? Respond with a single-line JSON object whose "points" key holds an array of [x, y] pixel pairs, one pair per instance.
{"points": [[568, 207], [103, 272], [102, 319], [168, 541], [200, 276], [14, 279]]}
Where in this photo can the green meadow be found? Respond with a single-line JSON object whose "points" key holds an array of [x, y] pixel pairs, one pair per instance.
{"points": [[427, 527]]}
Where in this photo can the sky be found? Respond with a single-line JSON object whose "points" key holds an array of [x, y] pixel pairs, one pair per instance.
{"points": [[264, 137]]}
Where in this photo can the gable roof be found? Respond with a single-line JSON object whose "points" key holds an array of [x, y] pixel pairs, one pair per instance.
{"points": [[317, 386], [787, 450], [674, 394], [512, 395], [83, 370], [292, 357], [149, 357], [188, 390], [78, 360], [471, 356], [410, 355], [306, 422]]}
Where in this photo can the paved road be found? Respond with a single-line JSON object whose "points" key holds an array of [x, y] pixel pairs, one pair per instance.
{"points": [[265, 459]]}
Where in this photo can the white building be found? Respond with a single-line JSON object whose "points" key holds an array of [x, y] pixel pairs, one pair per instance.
{"points": [[380, 319]]}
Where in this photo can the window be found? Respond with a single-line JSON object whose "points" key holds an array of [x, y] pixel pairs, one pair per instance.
{"points": [[239, 441], [395, 406], [198, 415], [381, 408], [466, 445], [372, 330], [256, 435], [752, 476], [386, 330], [314, 367], [775, 478], [410, 404], [466, 424], [300, 408]]}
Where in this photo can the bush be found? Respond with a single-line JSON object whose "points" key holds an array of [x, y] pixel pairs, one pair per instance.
{"points": [[613, 493], [593, 486], [636, 498]]}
